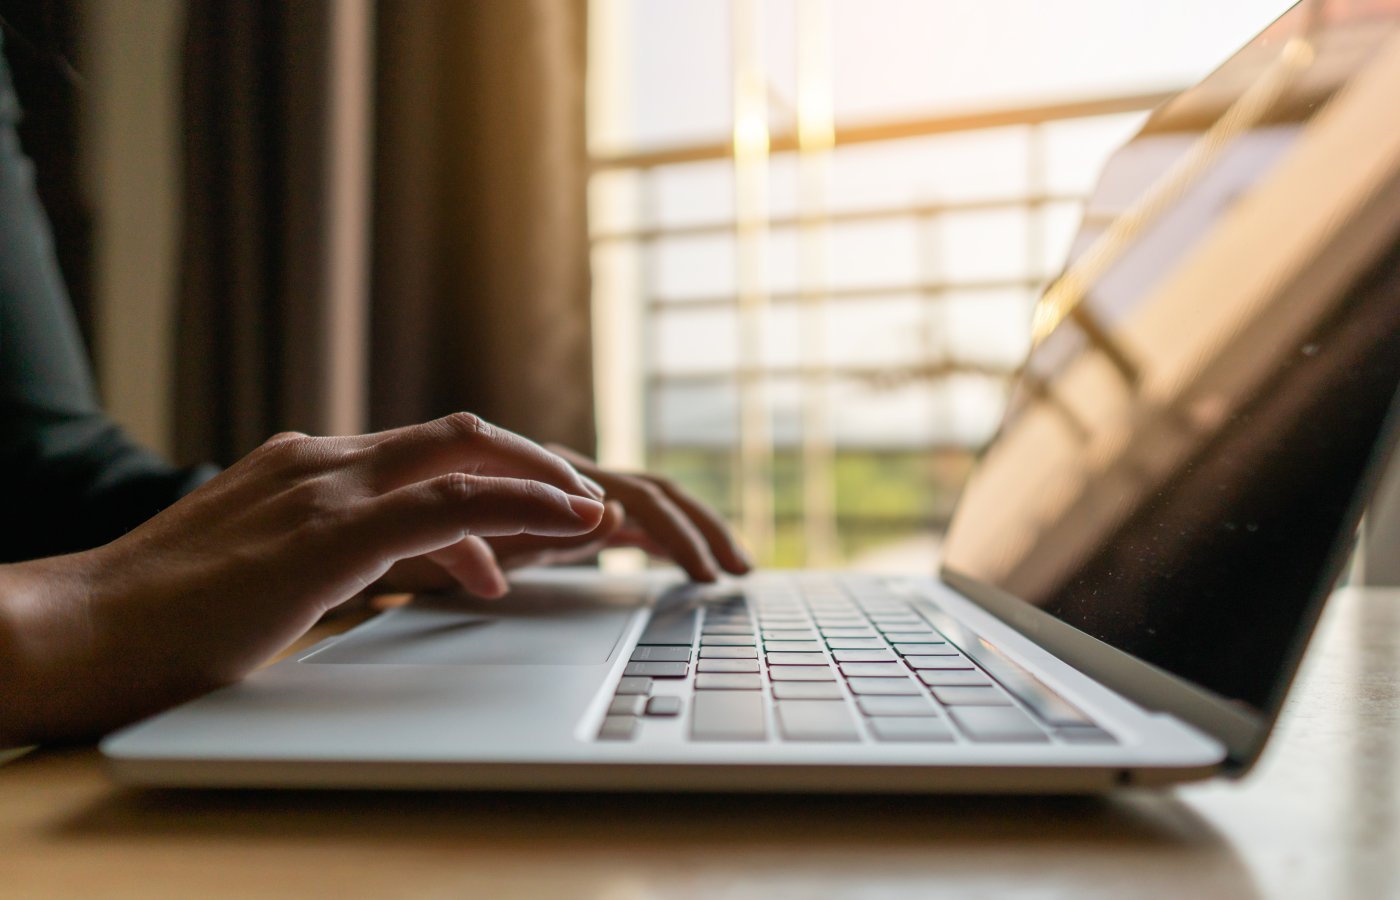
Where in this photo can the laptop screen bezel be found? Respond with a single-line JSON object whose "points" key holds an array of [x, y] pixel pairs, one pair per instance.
{"points": [[1242, 729]]}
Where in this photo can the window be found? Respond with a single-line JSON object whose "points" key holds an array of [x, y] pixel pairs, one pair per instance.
{"points": [[820, 227]]}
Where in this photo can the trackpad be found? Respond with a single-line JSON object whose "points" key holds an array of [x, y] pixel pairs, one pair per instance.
{"points": [[533, 626]]}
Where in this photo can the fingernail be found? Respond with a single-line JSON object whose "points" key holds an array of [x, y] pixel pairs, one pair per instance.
{"points": [[594, 487], [584, 509]]}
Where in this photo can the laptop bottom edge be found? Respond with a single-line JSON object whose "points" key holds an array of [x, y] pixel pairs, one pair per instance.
{"points": [[698, 778]]}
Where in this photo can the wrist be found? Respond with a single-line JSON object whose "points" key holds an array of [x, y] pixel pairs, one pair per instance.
{"points": [[47, 649]]}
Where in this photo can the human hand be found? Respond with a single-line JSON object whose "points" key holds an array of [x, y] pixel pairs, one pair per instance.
{"points": [[644, 511], [207, 590]]}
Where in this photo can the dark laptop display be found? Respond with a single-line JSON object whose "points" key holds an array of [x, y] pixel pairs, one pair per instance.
{"points": [[1182, 466]]}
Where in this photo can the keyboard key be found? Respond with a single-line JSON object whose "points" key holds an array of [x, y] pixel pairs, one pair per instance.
{"points": [[816, 720], [849, 632], [618, 728], [793, 646], [938, 662], [873, 670], [897, 706], [953, 678], [970, 696], [727, 665], [657, 669], [997, 723], [664, 706], [1084, 734], [727, 629], [898, 619], [727, 681], [727, 640], [675, 626], [911, 729], [634, 685], [797, 659], [661, 654], [926, 650], [801, 673], [885, 686], [627, 705], [807, 690], [727, 716], [870, 643], [790, 634], [863, 656], [889, 629], [728, 653], [914, 637]]}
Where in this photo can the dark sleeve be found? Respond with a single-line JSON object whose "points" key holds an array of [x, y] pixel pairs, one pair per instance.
{"points": [[69, 477]]}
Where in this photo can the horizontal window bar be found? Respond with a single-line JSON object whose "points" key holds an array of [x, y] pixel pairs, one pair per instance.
{"points": [[895, 130], [846, 217], [863, 292], [725, 452], [890, 374], [854, 523]]}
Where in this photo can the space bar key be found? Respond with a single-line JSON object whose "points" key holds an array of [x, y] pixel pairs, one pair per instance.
{"points": [[727, 716]]}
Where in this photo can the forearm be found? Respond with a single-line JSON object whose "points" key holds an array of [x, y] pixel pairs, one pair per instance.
{"points": [[40, 636], [61, 678]]}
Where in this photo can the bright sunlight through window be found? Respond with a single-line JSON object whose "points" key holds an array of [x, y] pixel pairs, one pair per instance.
{"points": [[820, 227]]}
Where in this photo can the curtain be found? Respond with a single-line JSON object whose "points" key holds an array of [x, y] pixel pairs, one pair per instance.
{"points": [[478, 252], [480, 274]]}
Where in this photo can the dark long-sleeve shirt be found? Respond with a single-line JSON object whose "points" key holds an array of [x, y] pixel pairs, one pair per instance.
{"points": [[70, 478]]}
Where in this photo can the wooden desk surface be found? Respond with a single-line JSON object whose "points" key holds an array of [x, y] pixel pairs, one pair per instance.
{"points": [[1318, 818]]}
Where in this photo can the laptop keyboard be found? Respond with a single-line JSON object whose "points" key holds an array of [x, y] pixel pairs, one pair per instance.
{"points": [[818, 658]]}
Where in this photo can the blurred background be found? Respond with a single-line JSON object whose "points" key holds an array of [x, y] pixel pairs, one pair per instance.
{"points": [[819, 227], [784, 251]]}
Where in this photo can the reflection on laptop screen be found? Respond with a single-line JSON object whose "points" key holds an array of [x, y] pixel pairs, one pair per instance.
{"points": [[1172, 471]]}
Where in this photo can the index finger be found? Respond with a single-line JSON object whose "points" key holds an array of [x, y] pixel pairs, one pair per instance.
{"points": [[462, 442]]}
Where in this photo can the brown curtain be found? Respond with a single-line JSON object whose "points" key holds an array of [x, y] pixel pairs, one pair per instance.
{"points": [[479, 259], [253, 90], [480, 275]]}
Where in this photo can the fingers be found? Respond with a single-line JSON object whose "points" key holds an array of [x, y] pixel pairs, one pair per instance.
{"points": [[463, 442], [651, 508], [638, 539], [685, 529], [523, 550], [430, 515], [717, 536], [473, 565]]}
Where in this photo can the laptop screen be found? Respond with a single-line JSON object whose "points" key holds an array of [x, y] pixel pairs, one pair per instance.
{"points": [[1172, 472]]}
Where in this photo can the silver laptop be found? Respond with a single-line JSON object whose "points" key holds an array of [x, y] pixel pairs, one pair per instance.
{"points": [[1127, 586]]}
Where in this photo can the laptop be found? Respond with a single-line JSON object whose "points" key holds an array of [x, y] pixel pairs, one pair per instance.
{"points": [[1128, 582]]}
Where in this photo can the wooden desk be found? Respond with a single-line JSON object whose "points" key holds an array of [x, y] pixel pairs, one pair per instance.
{"points": [[1317, 819]]}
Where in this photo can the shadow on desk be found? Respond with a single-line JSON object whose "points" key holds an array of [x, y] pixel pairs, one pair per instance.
{"points": [[665, 845]]}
